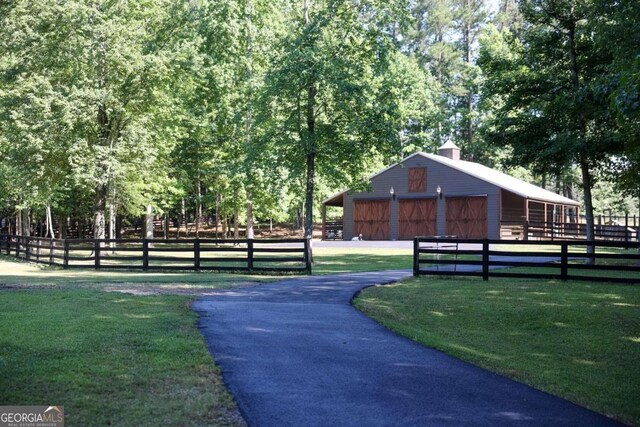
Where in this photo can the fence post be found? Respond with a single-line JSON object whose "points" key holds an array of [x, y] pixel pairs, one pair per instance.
{"points": [[196, 255], [485, 259], [307, 255], [38, 242], [526, 230], [250, 254], [416, 256], [27, 248], [564, 261], [96, 252], [145, 254], [66, 253], [51, 245]]}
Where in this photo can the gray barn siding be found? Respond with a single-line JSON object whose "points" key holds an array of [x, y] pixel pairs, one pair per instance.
{"points": [[452, 182]]}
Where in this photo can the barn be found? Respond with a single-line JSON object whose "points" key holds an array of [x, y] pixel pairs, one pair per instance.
{"points": [[441, 195]]}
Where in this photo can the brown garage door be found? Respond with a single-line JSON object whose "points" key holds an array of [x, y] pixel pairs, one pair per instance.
{"points": [[371, 219], [416, 217], [467, 217]]}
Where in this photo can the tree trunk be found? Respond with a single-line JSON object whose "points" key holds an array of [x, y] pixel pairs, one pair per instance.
{"points": [[165, 227], [250, 232], [19, 223], [308, 204], [467, 48], [236, 223], [587, 178], [183, 218], [217, 213], [249, 120], [312, 91], [63, 226], [112, 220], [299, 217], [198, 206], [587, 182], [100, 202], [50, 231], [225, 228], [26, 222]]}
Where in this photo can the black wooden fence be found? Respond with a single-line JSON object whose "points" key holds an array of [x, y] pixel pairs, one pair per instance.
{"points": [[540, 230], [251, 255], [563, 260]]}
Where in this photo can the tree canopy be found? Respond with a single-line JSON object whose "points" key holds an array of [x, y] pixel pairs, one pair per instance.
{"points": [[248, 110]]}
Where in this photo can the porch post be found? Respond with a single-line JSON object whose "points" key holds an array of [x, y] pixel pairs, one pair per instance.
{"points": [[546, 220], [525, 226], [324, 221]]}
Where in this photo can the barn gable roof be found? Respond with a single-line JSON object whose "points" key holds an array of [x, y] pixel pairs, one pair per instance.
{"points": [[499, 179], [492, 176]]}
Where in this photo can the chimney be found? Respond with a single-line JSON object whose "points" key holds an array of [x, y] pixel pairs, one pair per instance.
{"points": [[449, 150]]}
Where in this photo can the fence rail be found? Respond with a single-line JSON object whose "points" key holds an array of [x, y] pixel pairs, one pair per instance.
{"points": [[563, 260], [251, 255], [540, 230]]}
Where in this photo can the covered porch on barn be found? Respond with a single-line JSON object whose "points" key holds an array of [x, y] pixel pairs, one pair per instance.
{"points": [[523, 218], [332, 217]]}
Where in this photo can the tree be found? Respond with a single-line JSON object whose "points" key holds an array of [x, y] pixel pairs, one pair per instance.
{"points": [[330, 106], [550, 111], [98, 76], [432, 41], [470, 18], [617, 29]]}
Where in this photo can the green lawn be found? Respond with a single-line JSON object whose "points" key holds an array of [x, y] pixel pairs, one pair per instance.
{"points": [[110, 359], [344, 260], [18, 272], [117, 359], [576, 340]]}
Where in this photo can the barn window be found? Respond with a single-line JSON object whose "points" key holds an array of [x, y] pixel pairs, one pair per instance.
{"points": [[417, 180]]}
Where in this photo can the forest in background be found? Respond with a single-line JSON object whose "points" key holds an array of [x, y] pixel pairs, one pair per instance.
{"points": [[256, 110]]}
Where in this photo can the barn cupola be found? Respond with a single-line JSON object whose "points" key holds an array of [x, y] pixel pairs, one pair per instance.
{"points": [[449, 150]]}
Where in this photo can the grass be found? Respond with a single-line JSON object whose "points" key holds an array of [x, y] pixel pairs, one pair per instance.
{"points": [[17, 272], [123, 360], [110, 359], [577, 340], [114, 359], [354, 260]]}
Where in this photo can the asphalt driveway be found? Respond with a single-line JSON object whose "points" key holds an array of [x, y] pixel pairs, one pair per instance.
{"points": [[296, 353]]}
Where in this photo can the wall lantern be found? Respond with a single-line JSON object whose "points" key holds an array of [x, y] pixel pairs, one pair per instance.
{"points": [[393, 193], [439, 191]]}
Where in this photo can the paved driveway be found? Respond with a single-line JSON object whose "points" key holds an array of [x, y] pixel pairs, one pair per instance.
{"points": [[296, 353]]}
